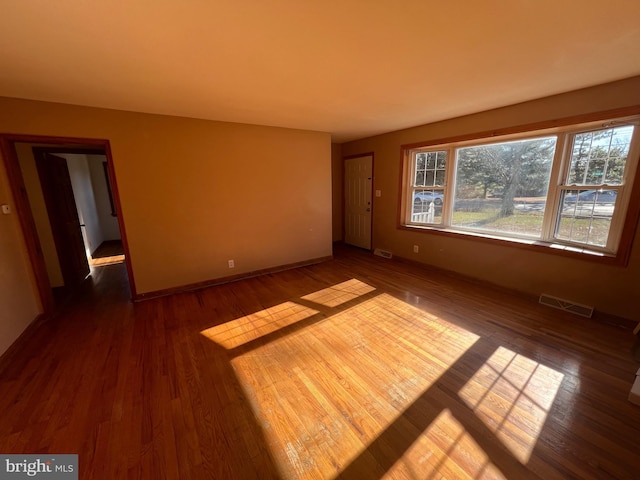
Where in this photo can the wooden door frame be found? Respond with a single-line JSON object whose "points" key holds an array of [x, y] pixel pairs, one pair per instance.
{"points": [[23, 207], [373, 192]]}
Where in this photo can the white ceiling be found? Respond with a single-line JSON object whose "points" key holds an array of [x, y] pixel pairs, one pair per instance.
{"points": [[354, 68]]}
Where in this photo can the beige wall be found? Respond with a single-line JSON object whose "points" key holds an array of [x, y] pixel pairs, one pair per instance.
{"points": [[610, 289], [196, 193], [337, 187], [40, 214], [18, 303]]}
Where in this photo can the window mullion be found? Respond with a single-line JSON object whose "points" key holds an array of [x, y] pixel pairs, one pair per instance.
{"points": [[556, 179], [449, 186]]}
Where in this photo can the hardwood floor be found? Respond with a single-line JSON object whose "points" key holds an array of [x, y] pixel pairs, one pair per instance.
{"points": [[108, 253], [357, 368], [109, 248]]}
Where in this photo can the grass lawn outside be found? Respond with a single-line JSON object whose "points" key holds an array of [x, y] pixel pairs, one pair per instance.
{"points": [[588, 230], [587, 226]]}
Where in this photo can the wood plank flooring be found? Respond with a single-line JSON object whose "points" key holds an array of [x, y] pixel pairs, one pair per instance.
{"points": [[108, 253], [357, 368], [109, 248]]}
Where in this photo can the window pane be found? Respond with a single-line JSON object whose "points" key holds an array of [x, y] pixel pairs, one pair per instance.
{"points": [[431, 160], [586, 216], [427, 206], [503, 187], [430, 179], [600, 157], [430, 168], [421, 163]]}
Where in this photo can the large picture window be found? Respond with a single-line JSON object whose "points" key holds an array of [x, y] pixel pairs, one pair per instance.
{"points": [[502, 187], [567, 186]]}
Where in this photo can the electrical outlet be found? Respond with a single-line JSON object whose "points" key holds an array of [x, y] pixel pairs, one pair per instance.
{"points": [[232, 264], [416, 249]]}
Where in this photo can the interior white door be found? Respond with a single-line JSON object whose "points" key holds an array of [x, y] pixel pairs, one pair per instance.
{"points": [[358, 173]]}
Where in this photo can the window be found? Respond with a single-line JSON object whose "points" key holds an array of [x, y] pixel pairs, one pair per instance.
{"points": [[502, 187], [567, 186], [428, 186], [593, 180]]}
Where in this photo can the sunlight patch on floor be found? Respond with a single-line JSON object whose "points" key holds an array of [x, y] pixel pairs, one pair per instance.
{"points": [[251, 327], [322, 394], [340, 293], [445, 450], [104, 261], [512, 395]]}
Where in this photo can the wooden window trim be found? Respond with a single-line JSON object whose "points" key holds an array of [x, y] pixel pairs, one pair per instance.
{"points": [[627, 234]]}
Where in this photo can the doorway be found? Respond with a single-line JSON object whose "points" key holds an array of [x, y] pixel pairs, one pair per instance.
{"points": [[358, 181], [66, 198]]}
